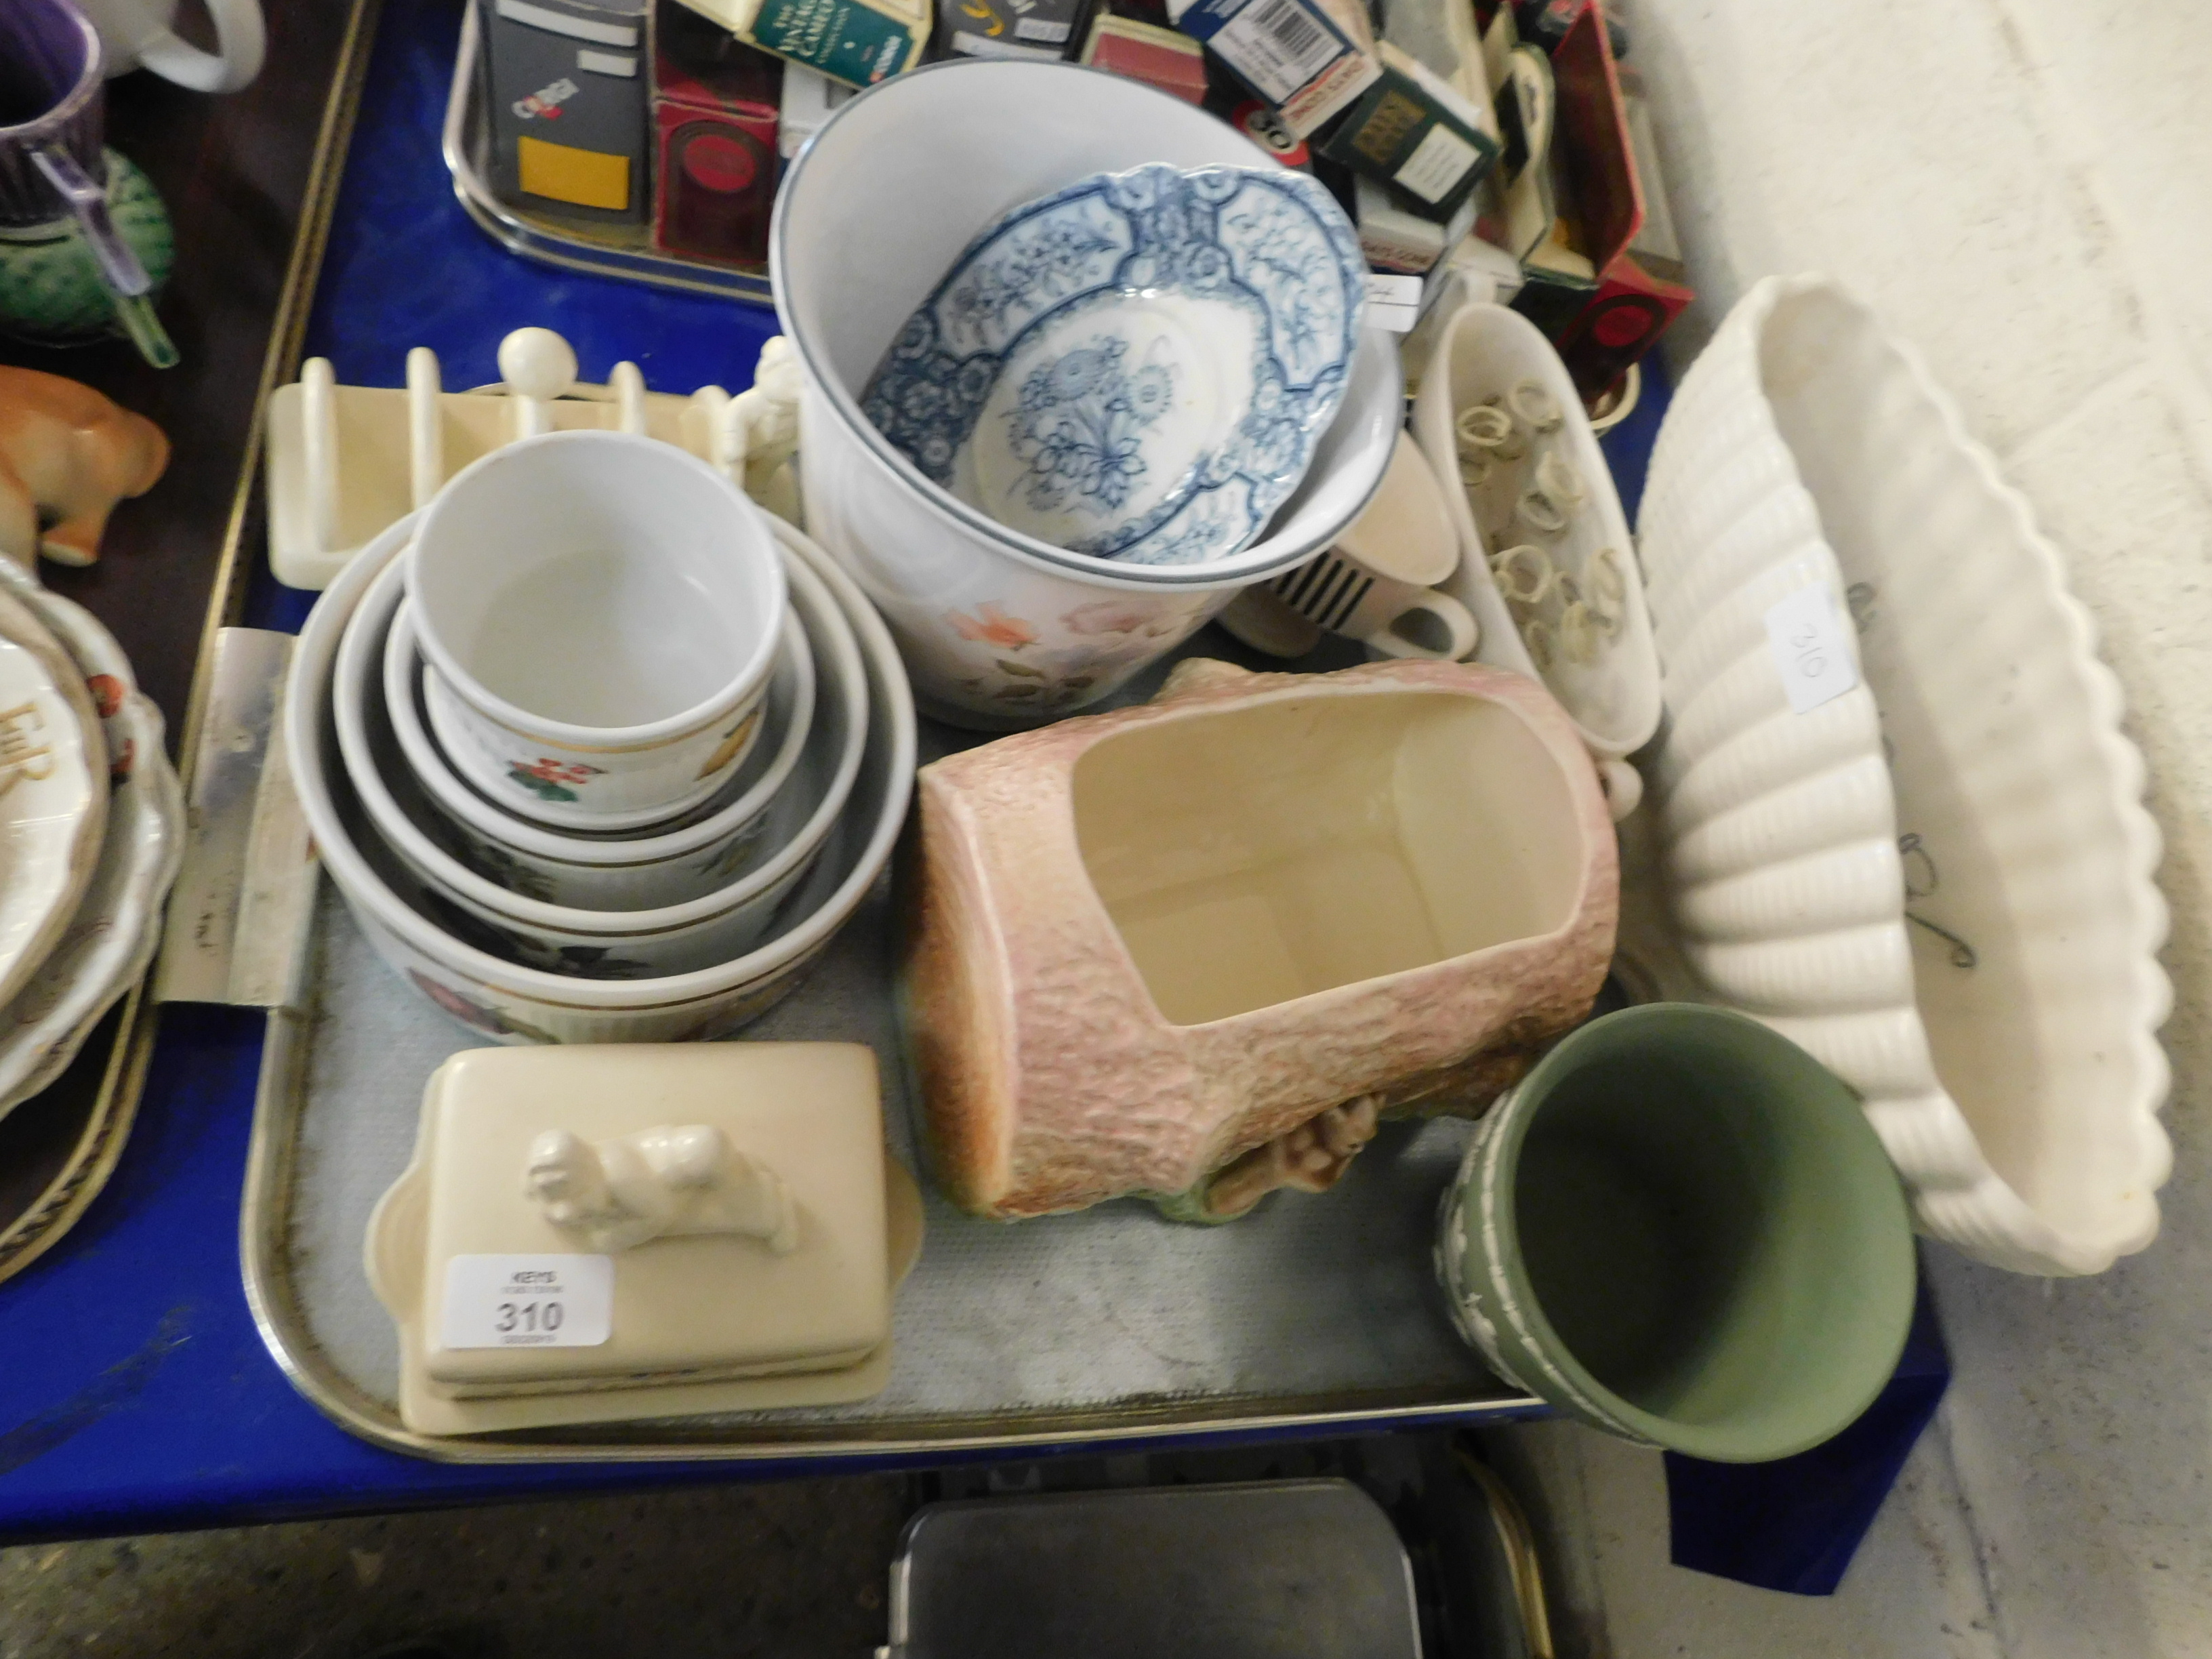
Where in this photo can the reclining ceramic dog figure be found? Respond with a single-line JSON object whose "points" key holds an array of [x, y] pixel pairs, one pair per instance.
{"points": [[1192, 951], [67, 455], [659, 1183]]}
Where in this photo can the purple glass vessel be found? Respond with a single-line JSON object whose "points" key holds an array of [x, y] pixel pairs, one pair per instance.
{"points": [[52, 110]]}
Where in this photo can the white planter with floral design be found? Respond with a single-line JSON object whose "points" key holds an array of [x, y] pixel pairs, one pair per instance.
{"points": [[1000, 628]]}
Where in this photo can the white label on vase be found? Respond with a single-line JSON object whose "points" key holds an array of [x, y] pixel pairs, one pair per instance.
{"points": [[1812, 650], [528, 1301], [1393, 303]]}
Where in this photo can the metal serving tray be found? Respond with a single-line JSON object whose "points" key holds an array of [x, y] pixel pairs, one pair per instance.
{"points": [[1107, 1325], [604, 250]]}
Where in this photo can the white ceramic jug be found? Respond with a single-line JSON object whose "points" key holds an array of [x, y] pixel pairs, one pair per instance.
{"points": [[136, 34]]}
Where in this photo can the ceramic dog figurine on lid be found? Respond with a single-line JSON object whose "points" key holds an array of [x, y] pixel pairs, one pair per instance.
{"points": [[1190, 950]]}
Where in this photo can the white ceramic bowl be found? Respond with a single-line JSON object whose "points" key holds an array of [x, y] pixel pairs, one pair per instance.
{"points": [[1614, 701], [600, 612], [493, 997], [601, 872], [999, 628], [596, 944], [1968, 934]]}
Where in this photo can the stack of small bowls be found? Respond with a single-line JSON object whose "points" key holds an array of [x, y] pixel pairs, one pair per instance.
{"points": [[594, 748]]}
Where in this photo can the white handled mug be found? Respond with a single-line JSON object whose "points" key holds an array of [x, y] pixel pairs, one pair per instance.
{"points": [[136, 34], [1377, 585], [1346, 596]]}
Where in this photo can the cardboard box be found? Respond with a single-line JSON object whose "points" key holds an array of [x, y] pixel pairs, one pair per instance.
{"points": [[1396, 235], [1630, 310], [859, 42], [1159, 57], [1412, 131], [808, 97], [715, 107], [568, 89], [1045, 29], [1291, 52]]}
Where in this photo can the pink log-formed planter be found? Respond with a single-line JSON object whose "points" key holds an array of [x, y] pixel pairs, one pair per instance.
{"points": [[1188, 950]]}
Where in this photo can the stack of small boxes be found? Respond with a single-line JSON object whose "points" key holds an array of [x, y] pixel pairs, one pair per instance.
{"points": [[608, 114], [1462, 146]]}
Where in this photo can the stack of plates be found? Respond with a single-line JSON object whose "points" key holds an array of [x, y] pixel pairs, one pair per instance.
{"points": [[92, 825]]}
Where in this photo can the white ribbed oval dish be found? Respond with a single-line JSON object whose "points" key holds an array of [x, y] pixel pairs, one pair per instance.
{"points": [[1967, 935]]}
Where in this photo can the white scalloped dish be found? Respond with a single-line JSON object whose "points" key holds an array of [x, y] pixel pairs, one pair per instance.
{"points": [[1967, 935]]}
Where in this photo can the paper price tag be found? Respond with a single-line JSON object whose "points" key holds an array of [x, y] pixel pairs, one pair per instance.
{"points": [[528, 1301], [1393, 301], [1811, 648]]}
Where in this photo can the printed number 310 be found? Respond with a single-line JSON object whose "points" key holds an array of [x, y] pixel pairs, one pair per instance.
{"points": [[1810, 649], [528, 1317]]}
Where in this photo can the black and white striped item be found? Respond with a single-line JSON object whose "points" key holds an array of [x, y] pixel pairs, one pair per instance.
{"points": [[1325, 591]]}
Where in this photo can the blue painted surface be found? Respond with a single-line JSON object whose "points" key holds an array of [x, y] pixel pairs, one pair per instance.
{"points": [[135, 1394]]}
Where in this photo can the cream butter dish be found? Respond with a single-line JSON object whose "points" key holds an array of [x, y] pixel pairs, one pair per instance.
{"points": [[615, 1231]]}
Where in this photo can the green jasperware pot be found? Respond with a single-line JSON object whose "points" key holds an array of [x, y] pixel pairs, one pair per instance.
{"points": [[1680, 1228]]}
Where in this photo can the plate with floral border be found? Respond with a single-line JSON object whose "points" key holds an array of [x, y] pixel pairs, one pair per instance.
{"points": [[108, 942], [1137, 366], [53, 801]]}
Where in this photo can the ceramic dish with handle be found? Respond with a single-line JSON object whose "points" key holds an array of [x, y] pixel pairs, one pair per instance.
{"points": [[493, 996], [696, 935], [1938, 879], [111, 938], [1136, 366], [600, 873], [1485, 352], [1000, 628]]}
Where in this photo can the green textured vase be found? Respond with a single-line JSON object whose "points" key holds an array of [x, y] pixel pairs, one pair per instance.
{"points": [[1683, 1231], [50, 289]]}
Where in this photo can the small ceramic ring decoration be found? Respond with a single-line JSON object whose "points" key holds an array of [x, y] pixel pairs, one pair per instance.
{"points": [[1539, 637], [1577, 633], [1534, 407], [599, 613], [1559, 480], [1540, 511], [1606, 579], [1524, 573], [1475, 469], [1485, 428]]}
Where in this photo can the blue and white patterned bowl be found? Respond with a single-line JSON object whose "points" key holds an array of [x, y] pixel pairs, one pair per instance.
{"points": [[1137, 366]]}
